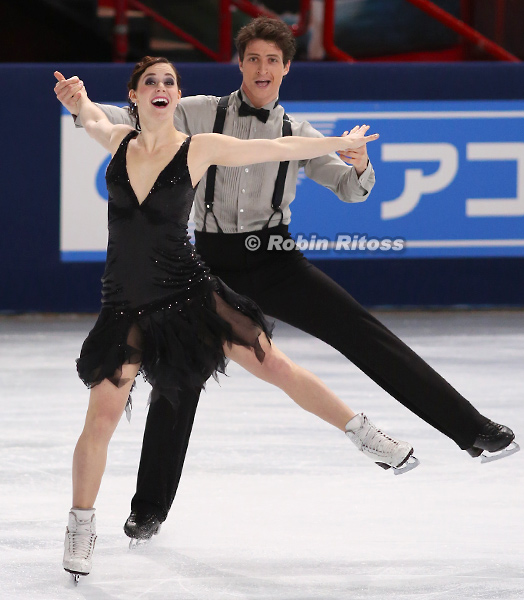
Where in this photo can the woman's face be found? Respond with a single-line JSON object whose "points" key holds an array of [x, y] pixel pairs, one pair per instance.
{"points": [[157, 91]]}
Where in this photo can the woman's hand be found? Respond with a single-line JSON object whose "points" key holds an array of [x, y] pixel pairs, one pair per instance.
{"points": [[357, 158], [356, 138], [72, 94], [68, 92]]}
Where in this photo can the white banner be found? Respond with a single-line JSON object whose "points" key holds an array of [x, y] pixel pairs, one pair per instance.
{"points": [[83, 210]]}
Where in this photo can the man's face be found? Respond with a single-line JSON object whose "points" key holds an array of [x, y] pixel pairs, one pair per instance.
{"points": [[262, 70]]}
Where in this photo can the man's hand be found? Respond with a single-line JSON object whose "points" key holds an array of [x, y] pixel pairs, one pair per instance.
{"points": [[358, 157], [68, 91]]}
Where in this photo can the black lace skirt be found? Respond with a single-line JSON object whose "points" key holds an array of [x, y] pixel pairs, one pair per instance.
{"points": [[177, 341]]}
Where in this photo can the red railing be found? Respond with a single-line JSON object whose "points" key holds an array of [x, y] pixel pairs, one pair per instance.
{"points": [[224, 26], [255, 11], [464, 30], [225, 30], [330, 47], [120, 32], [431, 9]]}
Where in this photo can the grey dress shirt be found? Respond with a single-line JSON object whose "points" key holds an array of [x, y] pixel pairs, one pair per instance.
{"points": [[243, 194]]}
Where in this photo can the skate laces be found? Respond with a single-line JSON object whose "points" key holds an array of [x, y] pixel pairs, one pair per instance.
{"points": [[490, 430], [375, 439], [82, 541]]}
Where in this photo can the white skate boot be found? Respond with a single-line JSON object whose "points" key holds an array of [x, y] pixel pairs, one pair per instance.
{"points": [[79, 542], [382, 449]]}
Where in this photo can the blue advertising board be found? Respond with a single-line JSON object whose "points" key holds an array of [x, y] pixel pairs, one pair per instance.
{"points": [[450, 183], [450, 180], [462, 227]]}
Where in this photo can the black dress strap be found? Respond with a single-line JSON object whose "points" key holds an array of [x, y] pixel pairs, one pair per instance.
{"points": [[218, 127], [125, 142], [119, 157]]}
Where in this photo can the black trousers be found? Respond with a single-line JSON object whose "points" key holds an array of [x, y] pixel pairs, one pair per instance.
{"points": [[166, 436], [288, 287]]}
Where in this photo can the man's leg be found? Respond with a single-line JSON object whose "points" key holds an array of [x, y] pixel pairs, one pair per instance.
{"points": [[298, 293], [166, 437]]}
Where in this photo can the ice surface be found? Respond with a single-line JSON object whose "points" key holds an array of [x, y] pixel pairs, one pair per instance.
{"points": [[273, 504]]}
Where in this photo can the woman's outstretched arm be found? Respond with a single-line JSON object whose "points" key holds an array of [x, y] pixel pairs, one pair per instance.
{"points": [[95, 121], [216, 149]]}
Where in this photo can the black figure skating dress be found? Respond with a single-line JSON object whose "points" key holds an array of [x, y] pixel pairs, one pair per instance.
{"points": [[161, 307]]}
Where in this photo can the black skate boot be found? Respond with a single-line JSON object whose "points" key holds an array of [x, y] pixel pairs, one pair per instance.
{"points": [[141, 527], [495, 439]]}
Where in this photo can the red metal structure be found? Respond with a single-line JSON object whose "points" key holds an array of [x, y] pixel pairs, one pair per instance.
{"points": [[431, 9], [464, 30], [120, 32], [255, 11], [331, 49], [225, 29], [224, 25]]}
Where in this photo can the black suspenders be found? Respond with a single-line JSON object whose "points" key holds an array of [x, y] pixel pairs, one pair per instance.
{"points": [[218, 127], [280, 182], [278, 192]]}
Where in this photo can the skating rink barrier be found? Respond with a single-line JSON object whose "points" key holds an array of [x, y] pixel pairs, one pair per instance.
{"points": [[442, 227]]}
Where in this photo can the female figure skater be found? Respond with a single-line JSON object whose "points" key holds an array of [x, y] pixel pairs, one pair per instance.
{"points": [[163, 313]]}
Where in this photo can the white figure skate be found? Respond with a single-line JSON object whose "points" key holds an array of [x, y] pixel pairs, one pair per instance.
{"points": [[382, 449], [79, 542]]}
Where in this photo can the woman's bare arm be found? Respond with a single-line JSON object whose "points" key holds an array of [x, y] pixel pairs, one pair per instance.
{"points": [[217, 149], [95, 121]]}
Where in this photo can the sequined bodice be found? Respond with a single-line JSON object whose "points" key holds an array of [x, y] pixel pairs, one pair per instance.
{"points": [[149, 255]]}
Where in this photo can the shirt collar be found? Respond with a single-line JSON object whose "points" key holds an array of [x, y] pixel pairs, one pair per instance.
{"points": [[269, 106]]}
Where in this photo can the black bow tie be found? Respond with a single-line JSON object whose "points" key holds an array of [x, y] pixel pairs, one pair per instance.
{"points": [[262, 114]]}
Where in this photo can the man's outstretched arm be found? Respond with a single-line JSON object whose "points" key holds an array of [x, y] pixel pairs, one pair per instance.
{"points": [[350, 175]]}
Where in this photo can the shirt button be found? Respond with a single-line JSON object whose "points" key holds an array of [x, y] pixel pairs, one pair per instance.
{"points": [[246, 170], [241, 210], [243, 190], [241, 227]]}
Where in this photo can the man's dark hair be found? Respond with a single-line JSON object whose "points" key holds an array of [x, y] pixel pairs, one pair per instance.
{"points": [[269, 30]]}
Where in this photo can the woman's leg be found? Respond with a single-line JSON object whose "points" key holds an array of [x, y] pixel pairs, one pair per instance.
{"points": [[106, 405], [302, 386], [312, 395]]}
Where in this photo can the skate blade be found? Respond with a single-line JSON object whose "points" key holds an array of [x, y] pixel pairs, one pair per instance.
{"points": [[412, 463], [136, 542], [76, 576], [513, 448], [408, 465]]}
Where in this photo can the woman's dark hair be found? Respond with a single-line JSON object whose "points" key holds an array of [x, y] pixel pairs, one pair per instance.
{"points": [[269, 30], [140, 67]]}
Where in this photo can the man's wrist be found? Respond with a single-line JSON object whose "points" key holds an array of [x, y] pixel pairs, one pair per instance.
{"points": [[361, 169]]}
